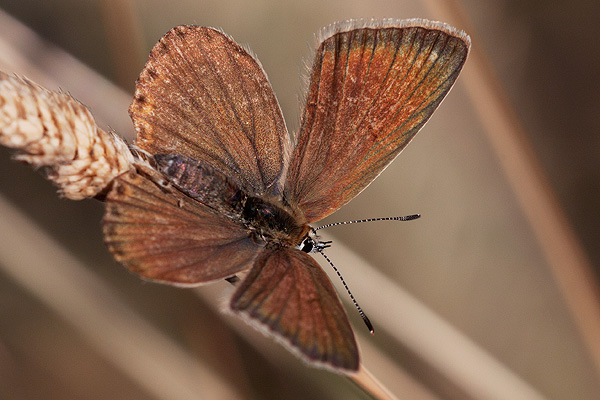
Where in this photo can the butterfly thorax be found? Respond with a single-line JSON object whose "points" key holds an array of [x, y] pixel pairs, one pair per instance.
{"points": [[270, 222]]}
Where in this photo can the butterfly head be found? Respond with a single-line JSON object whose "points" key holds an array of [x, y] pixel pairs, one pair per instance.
{"points": [[312, 244]]}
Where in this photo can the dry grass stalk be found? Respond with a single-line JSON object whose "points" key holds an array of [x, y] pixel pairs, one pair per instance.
{"points": [[54, 131]]}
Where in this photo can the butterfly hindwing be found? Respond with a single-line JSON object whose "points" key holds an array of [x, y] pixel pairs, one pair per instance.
{"points": [[371, 89], [287, 294], [161, 234]]}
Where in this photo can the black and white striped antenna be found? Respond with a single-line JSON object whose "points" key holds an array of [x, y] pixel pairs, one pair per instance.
{"points": [[319, 249]]}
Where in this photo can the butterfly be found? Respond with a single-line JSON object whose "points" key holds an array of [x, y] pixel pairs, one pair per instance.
{"points": [[225, 190]]}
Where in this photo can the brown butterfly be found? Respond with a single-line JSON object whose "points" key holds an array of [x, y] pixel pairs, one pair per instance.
{"points": [[225, 189]]}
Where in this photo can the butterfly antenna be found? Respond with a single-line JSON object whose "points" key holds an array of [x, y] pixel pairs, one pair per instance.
{"points": [[358, 221], [360, 311]]}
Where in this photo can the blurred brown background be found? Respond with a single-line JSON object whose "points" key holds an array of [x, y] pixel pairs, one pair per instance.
{"points": [[492, 299]]}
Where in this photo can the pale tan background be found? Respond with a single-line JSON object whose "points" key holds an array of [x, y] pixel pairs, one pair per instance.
{"points": [[473, 258]]}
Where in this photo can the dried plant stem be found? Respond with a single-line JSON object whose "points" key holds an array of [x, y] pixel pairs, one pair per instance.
{"points": [[129, 342], [54, 131], [371, 385], [557, 239]]}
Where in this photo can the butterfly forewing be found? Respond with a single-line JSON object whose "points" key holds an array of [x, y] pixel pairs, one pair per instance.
{"points": [[203, 96], [161, 234], [288, 295], [371, 90]]}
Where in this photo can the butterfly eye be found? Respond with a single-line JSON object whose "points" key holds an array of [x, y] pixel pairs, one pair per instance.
{"points": [[307, 245], [312, 244]]}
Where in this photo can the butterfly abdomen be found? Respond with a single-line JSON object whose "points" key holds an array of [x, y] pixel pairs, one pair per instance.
{"points": [[269, 222], [202, 183]]}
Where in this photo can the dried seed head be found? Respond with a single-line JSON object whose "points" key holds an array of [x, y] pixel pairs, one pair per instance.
{"points": [[55, 131]]}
